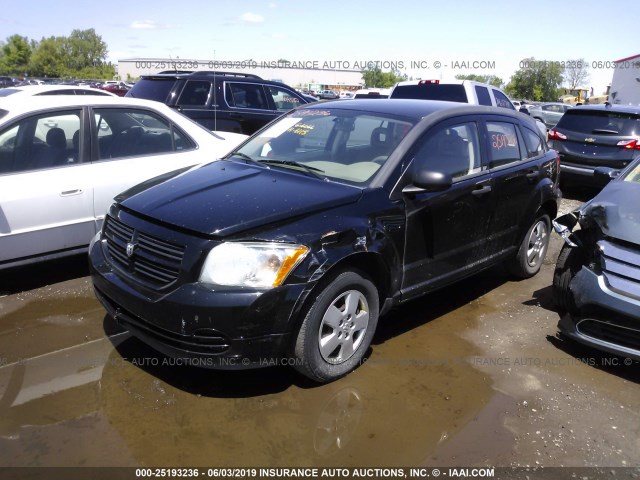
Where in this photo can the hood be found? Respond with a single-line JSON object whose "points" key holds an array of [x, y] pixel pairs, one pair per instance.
{"points": [[616, 210], [225, 197]]}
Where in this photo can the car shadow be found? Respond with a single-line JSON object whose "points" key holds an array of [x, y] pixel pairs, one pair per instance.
{"points": [[580, 193], [423, 310], [619, 366], [542, 298], [29, 277]]}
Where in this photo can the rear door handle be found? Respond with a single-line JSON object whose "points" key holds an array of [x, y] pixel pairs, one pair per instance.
{"points": [[533, 174]]}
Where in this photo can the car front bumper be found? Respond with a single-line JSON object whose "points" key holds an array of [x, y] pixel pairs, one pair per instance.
{"points": [[220, 328], [604, 319]]}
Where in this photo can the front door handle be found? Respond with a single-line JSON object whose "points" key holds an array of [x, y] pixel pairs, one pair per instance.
{"points": [[481, 191], [68, 193]]}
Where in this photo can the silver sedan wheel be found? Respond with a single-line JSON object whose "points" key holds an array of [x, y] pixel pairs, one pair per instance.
{"points": [[538, 242], [343, 327]]}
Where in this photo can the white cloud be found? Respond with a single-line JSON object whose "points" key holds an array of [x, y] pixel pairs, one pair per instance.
{"points": [[251, 18], [144, 24]]}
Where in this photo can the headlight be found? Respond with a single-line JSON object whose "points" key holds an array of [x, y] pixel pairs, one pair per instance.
{"points": [[251, 264]]}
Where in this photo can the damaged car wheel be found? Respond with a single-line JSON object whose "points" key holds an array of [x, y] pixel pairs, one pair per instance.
{"points": [[570, 261], [338, 328]]}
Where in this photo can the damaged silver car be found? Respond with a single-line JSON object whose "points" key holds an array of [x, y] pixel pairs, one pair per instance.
{"points": [[597, 276]]}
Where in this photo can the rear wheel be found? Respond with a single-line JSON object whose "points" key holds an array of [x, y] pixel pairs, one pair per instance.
{"points": [[338, 328], [533, 249]]}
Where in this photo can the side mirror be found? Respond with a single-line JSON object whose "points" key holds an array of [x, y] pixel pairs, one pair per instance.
{"points": [[605, 173], [428, 181]]}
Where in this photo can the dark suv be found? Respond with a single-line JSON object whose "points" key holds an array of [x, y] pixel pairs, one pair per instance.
{"points": [[592, 136], [231, 102], [290, 247]]}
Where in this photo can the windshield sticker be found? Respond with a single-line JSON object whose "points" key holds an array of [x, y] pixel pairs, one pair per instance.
{"points": [[313, 113], [279, 128], [301, 129], [503, 141]]}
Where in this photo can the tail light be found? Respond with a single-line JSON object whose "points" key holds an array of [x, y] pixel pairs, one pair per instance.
{"points": [[555, 135], [629, 144], [425, 82]]}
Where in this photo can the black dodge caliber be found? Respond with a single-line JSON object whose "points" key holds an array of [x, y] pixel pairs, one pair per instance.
{"points": [[293, 245]]}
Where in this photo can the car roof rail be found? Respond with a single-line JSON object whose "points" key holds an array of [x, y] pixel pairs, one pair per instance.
{"points": [[230, 74], [174, 71]]}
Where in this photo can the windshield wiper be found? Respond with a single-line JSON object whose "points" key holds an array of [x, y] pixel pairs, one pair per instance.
{"points": [[604, 130], [244, 156], [291, 163]]}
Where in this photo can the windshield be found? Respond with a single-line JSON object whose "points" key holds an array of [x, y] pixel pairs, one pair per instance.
{"points": [[431, 91], [343, 145]]}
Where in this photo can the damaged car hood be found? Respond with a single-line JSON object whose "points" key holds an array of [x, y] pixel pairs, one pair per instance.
{"points": [[225, 197], [616, 210]]}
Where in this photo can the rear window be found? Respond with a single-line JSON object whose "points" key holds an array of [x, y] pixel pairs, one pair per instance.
{"points": [[152, 89], [431, 91], [600, 122]]}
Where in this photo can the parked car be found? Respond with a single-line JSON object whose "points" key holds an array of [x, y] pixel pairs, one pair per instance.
{"points": [[119, 89], [591, 136], [37, 90], [346, 95], [462, 91], [232, 102], [328, 95], [597, 275], [548, 113], [7, 82], [295, 243], [372, 93], [64, 157]]}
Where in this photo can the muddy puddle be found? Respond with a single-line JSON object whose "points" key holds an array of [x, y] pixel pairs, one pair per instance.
{"points": [[83, 398]]}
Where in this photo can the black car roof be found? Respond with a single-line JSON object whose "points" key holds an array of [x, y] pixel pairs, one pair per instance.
{"points": [[610, 108], [207, 74], [412, 108]]}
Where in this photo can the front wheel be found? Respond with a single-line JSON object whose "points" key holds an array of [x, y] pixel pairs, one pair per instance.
{"points": [[570, 261], [338, 328], [533, 249]]}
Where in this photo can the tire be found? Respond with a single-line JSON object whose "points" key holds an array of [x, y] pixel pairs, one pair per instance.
{"points": [[570, 261], [338, 327], [533, 249]]}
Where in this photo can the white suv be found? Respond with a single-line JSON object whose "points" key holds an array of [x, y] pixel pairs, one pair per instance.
{"points": [[462, 91]]}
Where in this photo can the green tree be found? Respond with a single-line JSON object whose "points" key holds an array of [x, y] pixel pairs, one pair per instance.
{"points": [[16, 53], [490, 79], [85, 49], [375, 77], [536, 80], [48, 58]]}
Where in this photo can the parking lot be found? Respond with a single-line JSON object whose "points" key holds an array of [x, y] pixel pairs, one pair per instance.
{"points": [[473, 375]]}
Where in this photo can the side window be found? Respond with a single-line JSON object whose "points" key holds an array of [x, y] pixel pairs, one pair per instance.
{"points": [[504, 147], [451, 149], [195, 92], [483, 95], [130, 132], [40, 142], [533, 142], [284, 99], [246, 95], [502, 100]]}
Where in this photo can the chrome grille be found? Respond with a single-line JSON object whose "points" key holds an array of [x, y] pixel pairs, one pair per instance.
{"points": [[153, 261], [621, 267]]}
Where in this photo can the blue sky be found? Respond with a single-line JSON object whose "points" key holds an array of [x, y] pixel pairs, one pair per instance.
{"points": [[498, 32]]}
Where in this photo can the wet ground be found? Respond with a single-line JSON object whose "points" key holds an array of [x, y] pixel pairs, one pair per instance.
{"points": [[471, 376]]}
